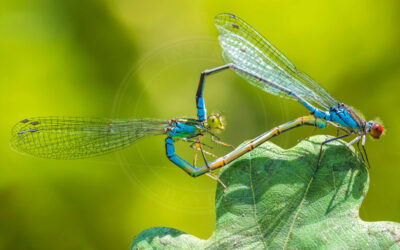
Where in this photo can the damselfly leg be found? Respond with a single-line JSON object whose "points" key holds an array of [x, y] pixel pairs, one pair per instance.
{"points": [[211, 172], [213, 139]]}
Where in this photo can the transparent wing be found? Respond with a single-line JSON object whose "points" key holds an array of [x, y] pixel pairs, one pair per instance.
{"points": [[75, 138], [246, 48]]}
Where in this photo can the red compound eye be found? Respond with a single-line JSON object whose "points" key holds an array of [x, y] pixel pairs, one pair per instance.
{"points": [[376, 130]]}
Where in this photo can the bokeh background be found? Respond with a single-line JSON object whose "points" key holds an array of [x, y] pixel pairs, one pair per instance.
{"points": [[120, 59]]}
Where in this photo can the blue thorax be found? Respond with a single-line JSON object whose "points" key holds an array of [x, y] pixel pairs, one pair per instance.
{"points": [[339, 115], [180, 130]]}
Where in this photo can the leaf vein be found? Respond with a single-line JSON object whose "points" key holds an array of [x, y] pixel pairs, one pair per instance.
{"points": [[299, 208]]}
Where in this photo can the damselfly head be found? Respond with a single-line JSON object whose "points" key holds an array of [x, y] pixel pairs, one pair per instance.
{"points": [[215, 122], [375, 129]]}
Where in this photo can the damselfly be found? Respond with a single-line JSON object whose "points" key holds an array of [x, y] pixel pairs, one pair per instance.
{"points": [[255, 59], [77, 137]]}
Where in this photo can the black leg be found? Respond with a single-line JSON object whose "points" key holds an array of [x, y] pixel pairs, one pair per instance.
{"points": [[366, 157], [205, 160], [325, 142], [190, 137], [212, 134], [212, 174], [359, 150]]}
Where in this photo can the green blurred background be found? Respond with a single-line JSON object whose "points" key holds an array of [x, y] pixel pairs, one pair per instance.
{"points": [[143, 59]]}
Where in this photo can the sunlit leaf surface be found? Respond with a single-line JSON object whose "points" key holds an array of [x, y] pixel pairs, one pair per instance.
{"points": [[276, 199]]}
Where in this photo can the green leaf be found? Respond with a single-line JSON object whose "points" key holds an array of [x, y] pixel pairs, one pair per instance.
{"points": [[276, 199]]}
